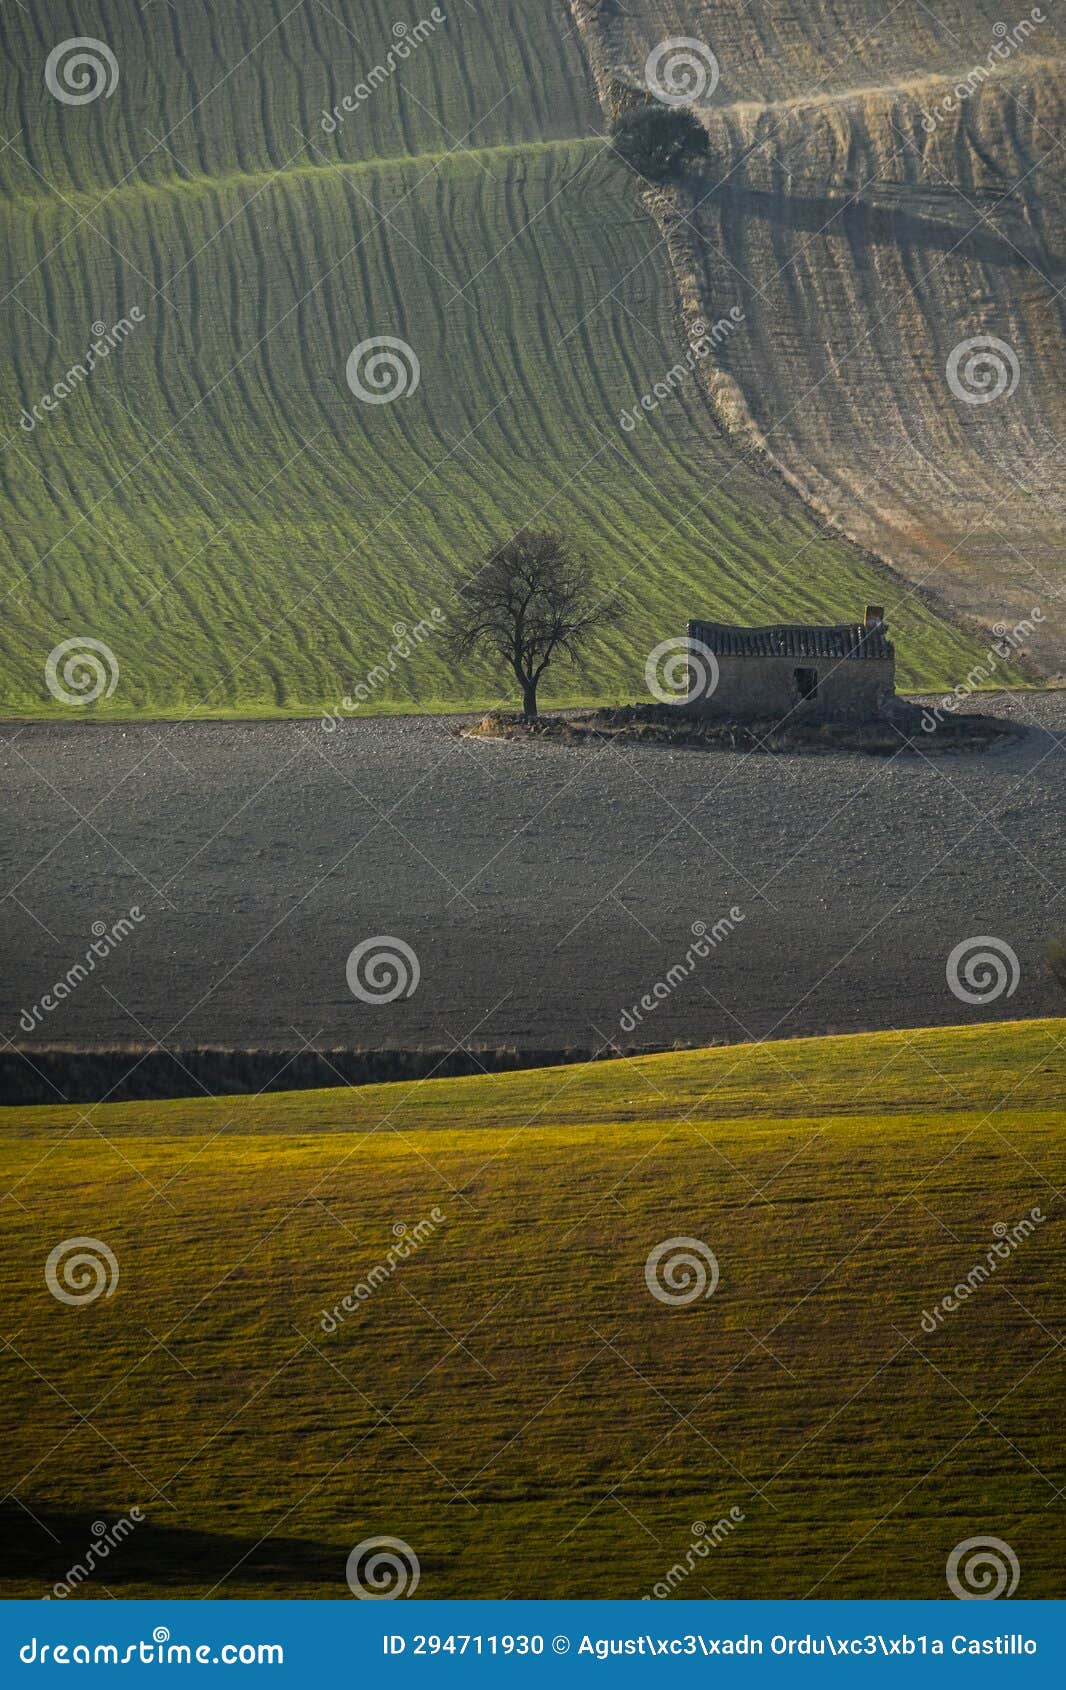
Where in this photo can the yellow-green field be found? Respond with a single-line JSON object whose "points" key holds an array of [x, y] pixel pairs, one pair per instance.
{"points": [[512, 1401]]}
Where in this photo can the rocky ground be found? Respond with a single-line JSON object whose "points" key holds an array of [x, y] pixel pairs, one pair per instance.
{"points": [[904, 728], [544, 890]]}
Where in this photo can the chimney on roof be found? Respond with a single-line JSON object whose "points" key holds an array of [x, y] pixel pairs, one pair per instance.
{"points": [[875, 616]]}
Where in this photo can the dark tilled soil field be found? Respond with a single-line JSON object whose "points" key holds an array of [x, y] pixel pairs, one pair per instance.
{"points": [[543, 890]]}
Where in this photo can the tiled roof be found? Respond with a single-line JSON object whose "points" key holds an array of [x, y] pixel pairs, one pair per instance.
{"points": [[848, 640]]}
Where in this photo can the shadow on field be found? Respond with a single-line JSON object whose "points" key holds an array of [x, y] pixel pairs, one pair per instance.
{"points": [[896, 215], [136, 1073], [70, 1550]]}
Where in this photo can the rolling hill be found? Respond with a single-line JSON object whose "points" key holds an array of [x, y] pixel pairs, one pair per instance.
{"points": [[215, 502], [513, 1400], [886, 190]]}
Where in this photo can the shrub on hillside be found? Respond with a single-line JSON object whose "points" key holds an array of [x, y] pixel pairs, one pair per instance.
{"points": [[660, 141]]}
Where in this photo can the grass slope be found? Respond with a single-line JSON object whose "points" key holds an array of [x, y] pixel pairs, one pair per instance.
{"points": [[513, 1402], [245, 534], [224, 86], [213, 501]]}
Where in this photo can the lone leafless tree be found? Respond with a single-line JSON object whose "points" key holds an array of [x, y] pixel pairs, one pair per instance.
{"points": [[531, 599]]}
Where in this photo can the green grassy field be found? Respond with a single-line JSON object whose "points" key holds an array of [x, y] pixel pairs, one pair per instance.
{"points": [[512, 1401], [237, 85], [215, 503]]}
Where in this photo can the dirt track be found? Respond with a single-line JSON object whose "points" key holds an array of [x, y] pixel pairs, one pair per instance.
{"points": [[543, 890]]}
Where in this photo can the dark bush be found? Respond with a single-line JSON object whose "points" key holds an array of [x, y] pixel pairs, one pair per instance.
{"points": [[132, 1072], [1056, 959], [660, 141]]}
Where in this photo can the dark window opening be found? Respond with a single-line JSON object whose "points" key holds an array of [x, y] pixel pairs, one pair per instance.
{"points": [[807, 682]]}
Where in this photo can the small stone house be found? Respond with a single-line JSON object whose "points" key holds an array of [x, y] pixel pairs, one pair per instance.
{"points": [[843, 672]]}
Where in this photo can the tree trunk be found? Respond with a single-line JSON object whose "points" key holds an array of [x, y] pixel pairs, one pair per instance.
{"points": [[529, 700]]}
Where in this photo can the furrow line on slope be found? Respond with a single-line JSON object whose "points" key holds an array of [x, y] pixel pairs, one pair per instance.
{"points": [[667, 209], [776, 390]]}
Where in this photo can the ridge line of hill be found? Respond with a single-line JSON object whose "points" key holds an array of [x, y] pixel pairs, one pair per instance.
{"points": [[789, 1095], [1016, 69], [138, 187]]}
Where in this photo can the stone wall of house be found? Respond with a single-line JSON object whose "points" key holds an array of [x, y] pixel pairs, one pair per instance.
{"points": [[767, 687]]}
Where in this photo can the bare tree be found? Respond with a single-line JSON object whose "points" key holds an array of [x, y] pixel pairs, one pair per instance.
{"points": [[531, 599]]}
